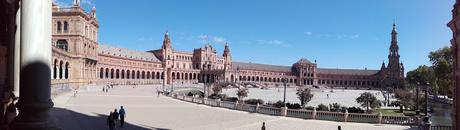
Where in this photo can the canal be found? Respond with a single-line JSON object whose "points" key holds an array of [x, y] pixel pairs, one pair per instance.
{"points": [[441, 114]]}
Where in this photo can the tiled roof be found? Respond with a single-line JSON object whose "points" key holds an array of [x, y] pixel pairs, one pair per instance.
{"points": [[126, 53], [183, 52], [260, 67], [346, 71]]}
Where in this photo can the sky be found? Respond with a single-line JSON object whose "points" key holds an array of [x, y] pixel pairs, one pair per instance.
{"points": [[351, 34]]}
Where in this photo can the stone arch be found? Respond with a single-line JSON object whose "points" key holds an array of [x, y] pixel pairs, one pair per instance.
{"points": [[148, 75], [61, 69], [123, 74], [101, 73], [173, 75], [111, 73], [127, 74], [158, 75], [55, 68], [66, 26], [138, 75], [59, 26], [117, 74], [106, 73], [66, 75], [133, 74]]}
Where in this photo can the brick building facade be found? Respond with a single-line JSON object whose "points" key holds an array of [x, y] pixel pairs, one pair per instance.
{"points": [[78, 59]]}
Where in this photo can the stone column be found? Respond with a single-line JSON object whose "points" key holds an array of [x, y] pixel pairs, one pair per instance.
{"points": [[314, 113], [380, 117], [35, 101], [17, 54], [345, 116], [283, 111]]}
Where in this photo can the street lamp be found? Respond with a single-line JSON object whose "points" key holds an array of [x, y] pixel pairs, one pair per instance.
{"points": [[172, 82], [417, 109], [284, 97], [426, 98]]}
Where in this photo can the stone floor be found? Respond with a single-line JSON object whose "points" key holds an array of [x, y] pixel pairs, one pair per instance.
{"points": [[89, 109]]}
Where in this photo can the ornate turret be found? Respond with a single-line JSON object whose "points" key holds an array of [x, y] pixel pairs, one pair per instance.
{"points": [[394, 72], [227, 57], [383, 66], [76, 2], [166, 41], [93, 12]]}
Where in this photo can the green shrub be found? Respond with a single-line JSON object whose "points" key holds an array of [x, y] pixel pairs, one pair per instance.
{"points": [[322, 107], [254, 101]]}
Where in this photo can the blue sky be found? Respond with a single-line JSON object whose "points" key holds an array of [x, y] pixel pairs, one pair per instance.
{"points": [[336, 33]]}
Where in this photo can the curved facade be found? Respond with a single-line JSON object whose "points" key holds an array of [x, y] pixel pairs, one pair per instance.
{"points": [[78, 59]]}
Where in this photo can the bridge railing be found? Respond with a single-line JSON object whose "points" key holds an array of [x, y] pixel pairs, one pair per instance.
{"points": [[363, 118], [304, 114], [269, 110]]}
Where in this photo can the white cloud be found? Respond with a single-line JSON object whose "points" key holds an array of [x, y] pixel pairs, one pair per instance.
{"points": [[219, 40], [145, 39], [355, 36], [272, 42]]}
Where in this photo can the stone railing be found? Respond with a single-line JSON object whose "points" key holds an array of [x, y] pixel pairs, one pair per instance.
{"points": [[303, 114]]}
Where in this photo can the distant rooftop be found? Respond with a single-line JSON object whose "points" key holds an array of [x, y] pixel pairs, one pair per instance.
{"points": [[126, 53], [260, 67], [346, 71]]}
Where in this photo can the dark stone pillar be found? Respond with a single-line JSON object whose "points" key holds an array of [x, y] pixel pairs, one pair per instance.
{"points": [[35, 81]]}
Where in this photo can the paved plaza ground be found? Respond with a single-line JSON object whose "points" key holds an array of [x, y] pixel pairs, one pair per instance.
{"points": [[89, 110]]}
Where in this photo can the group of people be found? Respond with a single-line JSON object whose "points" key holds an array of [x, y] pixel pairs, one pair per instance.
{"points": [[116, 118], [106, 88]]}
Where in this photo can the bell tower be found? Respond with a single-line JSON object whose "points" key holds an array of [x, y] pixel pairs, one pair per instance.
{"points": [[168, 58], [227, 58], [394, 76]]}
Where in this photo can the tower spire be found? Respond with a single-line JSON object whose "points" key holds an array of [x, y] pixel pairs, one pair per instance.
{"points": [[166, 41]]}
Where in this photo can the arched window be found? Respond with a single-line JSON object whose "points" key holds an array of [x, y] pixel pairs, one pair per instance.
{"points": [[148, 75], [106, 73], [117, 76], [62, 44], [173, 75], [133, 74], [158, 75], [60, 69], [59, 26], [122, 74], [55, 69], [101, 73], [138, 75], [111, 73], [66, 70], [127, 74], [143, 74], [66, 26]]}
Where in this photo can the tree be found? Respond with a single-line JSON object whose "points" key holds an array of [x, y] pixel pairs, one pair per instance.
{"points": [[217, 89], [304, 95], [421, 75], [367, 100], [242, 93], [442, 60], [405, 98]]}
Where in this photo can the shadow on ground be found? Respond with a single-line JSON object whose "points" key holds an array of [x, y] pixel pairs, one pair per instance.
{"points": [[71, 120]]}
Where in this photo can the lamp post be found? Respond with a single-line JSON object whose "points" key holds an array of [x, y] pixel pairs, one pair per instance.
{"points": [[172, 82], [417, 89], [426, 98], [284, 97]]}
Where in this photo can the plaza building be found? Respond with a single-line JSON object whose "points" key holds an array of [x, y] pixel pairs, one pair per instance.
{"points": [[78, 59], [454, 25]]}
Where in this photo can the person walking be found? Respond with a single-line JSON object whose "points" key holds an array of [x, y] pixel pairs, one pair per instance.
{"points": [[110, 121], [115, 116], [122, 116], [263, 126], [339, 128]]}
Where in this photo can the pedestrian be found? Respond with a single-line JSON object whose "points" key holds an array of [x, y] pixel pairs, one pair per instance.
{"points": [[103, 89], [339, 128], [115, 116], [122, 116], [110, 121], [263, 126]]}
